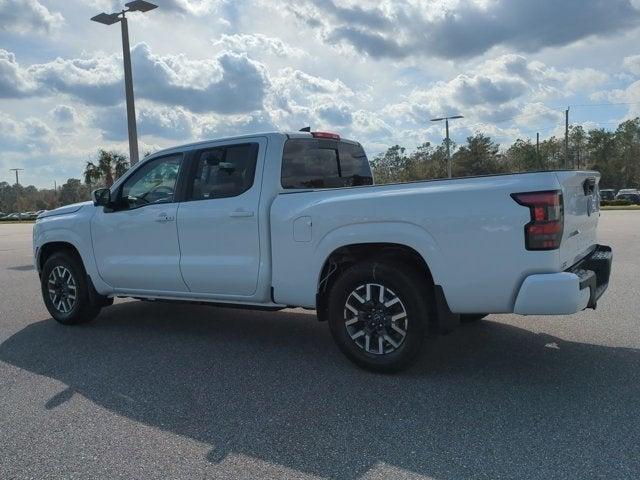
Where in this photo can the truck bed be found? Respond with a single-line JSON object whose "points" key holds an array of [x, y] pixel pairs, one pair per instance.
{"points": [[470, 232]]}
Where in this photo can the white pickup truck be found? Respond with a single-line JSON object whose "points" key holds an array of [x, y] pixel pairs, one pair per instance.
{"points": [[280, 220]]}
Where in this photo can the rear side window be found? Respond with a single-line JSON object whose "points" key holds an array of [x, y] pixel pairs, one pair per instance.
{"points": [[320, 163], [224, 171]]}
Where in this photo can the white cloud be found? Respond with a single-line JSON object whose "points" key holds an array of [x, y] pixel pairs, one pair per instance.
{"points": [[228, 83], [294, 87], [628, 95], [632, 64], [258, 44], [463, 28], [370, 125], [173, 123], [217, 126], [335, 113], [30, 135], [537, 113], [497, 89], [15, 82], [94, 79], [27, 16], [192, 7], [64, 114]]}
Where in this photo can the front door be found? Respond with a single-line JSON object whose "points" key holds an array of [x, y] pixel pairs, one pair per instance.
{"points": [[136, 245], [218, 222]]}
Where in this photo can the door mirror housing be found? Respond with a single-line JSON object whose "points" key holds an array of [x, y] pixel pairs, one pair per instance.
{"points": [[101, 197]]}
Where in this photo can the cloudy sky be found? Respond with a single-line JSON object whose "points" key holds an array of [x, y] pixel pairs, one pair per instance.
{"points": [[374, 71]]}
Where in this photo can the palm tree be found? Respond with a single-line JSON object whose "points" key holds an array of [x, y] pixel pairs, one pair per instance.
{"points": [[109, 167]]}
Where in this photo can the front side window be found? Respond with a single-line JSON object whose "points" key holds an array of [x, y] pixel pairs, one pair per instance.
{"points": [[320, 163], [224, 171], [154, 182]]}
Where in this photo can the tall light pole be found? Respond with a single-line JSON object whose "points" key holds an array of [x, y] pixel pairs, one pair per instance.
{"points": [[566, 138], [446, 122], [17, 170], [110, 19]]}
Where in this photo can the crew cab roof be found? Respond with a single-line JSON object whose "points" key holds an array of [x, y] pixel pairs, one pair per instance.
{"points": [[238, 137]]}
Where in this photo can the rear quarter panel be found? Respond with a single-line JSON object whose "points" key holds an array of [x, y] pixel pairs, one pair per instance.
{"points": [[469, 231]]}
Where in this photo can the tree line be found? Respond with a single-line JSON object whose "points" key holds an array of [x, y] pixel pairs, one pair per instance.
{"points": [[106, 169], [615, 154]]}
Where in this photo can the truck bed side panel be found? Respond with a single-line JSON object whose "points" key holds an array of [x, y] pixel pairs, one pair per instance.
{"points": [[469, 231]]}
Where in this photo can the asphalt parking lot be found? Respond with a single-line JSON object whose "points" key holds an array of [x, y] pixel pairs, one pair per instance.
{"points": [[168, 391]]}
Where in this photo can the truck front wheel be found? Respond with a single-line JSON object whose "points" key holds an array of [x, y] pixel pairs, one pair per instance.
{"points": [[378, 314], [65, 290]]}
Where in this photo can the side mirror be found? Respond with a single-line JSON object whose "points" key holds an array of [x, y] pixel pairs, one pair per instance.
{"points": [[101, 197]]}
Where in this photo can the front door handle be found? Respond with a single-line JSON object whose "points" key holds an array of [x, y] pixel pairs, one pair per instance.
{"points": [[163, 218], [241, 213]]}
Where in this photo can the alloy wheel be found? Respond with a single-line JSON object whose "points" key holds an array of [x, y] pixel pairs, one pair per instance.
{"points": [[375, 319], [62, 289]]}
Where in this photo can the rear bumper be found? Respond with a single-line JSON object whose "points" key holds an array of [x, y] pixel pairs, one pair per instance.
{"points": [[567, 292]]}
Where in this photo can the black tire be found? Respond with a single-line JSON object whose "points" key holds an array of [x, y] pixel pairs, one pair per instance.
{"points": [[414, 293], [472, 317], [83, 307]]}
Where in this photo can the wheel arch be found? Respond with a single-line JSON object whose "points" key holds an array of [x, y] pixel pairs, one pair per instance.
{"points": [[48, 249], [347, 255], [406, 240]]}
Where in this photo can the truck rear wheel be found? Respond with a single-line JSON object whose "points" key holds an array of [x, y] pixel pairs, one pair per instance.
{"points": [[378, 314], [65, 290]]}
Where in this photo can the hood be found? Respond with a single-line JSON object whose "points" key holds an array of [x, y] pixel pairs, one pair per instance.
{"points": [[74, 207]]}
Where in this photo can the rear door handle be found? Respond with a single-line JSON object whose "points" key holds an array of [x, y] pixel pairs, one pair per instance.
{"points": [[163, 217], [241, 213]]}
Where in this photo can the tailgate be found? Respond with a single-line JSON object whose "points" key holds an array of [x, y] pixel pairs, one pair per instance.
{"points": [[581, 213]]}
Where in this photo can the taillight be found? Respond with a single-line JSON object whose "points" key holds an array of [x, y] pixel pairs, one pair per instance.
{"points": [[332, 136], [544, 231]]}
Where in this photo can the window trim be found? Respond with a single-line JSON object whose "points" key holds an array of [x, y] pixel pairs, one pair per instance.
{"points": [[177, 193], [194, 158]]}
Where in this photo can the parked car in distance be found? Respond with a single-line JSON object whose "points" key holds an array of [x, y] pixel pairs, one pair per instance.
{"points": [[633, 198], [607, 194], [628, 190], [277, 220]]}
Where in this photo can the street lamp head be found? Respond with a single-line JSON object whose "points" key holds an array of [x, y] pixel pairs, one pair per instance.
{"points": [[140, 6], [106, 18], [446, 118]]}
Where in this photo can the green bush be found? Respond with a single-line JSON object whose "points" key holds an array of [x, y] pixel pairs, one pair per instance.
{"points": [[615, 203]]}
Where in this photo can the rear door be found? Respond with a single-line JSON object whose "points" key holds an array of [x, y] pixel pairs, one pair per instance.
{"points": [[581, 214], [218, 223]]}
